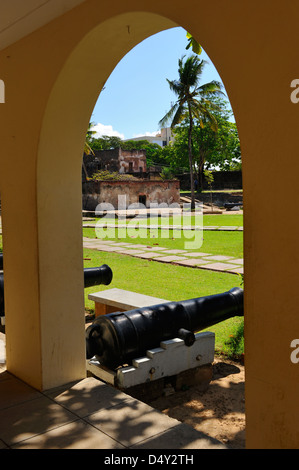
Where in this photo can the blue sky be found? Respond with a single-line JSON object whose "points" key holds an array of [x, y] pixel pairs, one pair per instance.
{"points": [[137, 95]]}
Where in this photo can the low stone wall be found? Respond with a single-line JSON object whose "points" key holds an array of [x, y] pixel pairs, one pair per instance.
{"points": [[222, 180], [144, 192]]}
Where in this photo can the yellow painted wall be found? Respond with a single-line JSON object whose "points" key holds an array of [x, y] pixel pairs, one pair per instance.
{"points": [[52, 80]]}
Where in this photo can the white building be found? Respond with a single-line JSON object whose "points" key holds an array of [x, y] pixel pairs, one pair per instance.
{"points": [[162, 138]]}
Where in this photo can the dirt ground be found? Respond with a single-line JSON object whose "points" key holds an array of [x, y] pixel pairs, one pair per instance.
{"points": [[218, 412]]}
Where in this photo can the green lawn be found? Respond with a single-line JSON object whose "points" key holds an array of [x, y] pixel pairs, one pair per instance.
{"points": [[208, 220]]}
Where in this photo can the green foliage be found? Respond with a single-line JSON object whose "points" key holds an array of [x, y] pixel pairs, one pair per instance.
{"points": [[104, 175], [105, 143], [87, 148], [195, 46], [233, 342], [166, 173], [208, 176], [210, 149]]}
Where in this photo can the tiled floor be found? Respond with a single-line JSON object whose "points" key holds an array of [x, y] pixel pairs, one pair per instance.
{"points": [[87, 414]]}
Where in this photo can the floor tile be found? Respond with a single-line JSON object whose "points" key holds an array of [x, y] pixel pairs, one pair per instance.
{"points": [[181, 436], [122, 244], [13, 391], [130, 252], [169, 259], [108, 248], [192, 262], [237, 261], [239, 270], [218, 258], [75, 435], [218, 266], [154, 248], [87, 396], [174, 252], [140, 246], [149, 255], [196, 253], [3, 445], [103, 242], [133, 421], [33, 417]]}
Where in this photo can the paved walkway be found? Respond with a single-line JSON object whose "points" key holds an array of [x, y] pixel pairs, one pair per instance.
{"points": [[192, 259], [230, 228]]}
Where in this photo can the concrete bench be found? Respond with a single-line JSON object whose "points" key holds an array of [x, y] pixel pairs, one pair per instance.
{"points": [[119, 300]]}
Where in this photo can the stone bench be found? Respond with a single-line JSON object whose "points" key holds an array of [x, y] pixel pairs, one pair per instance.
{"points": [[119, 300]]}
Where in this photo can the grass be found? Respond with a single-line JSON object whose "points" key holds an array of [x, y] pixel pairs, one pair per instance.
{"points": [[208, 220]]}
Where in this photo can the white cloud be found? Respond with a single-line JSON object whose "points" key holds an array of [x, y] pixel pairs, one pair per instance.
{"points": [[102, 129], [150, 134]]}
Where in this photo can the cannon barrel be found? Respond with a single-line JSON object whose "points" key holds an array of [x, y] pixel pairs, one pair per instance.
{"points": [[117, 338], [96, 276], [92, 277]]}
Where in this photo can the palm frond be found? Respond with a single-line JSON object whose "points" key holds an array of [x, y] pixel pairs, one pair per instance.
{"points": [[168, 116], [214, 87], [175, 86], [179, 115]]}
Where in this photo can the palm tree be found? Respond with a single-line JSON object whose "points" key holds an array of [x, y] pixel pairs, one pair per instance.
{"points": [[192, 103], [87, 148]]}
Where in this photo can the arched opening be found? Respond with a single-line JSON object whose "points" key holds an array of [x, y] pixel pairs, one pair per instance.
{"points": [[111, 118], [58, 180]]}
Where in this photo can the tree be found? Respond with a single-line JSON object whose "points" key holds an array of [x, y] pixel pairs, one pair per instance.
{"points": [[87, 148], [192, 103], [106, 142], [88, 140], [211, 149]]}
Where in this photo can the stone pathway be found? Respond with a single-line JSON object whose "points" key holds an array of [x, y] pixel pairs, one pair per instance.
{"points": [[193, 259], [233, 228]]}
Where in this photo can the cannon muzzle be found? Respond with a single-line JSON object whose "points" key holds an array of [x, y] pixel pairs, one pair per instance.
{"points": [[117, 338], [97, 276]]}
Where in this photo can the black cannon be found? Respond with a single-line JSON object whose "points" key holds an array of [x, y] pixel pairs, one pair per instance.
{"points": [[92, 277], [1, 261], [117, 338]]}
